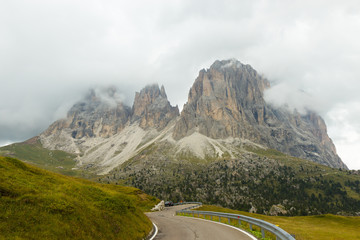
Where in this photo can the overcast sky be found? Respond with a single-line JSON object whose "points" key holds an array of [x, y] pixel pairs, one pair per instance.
{"points": [[51, 52]]}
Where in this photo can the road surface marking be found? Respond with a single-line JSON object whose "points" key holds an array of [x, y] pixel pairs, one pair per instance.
{"points": [[239, 229], [156, 232]]}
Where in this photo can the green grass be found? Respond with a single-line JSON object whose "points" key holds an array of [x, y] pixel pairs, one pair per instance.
{"points": [[37, 204], [321, 227], [53, 160]]}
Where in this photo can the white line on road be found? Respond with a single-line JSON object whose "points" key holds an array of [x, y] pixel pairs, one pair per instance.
{"points": [[156, 231], [243, 231]]}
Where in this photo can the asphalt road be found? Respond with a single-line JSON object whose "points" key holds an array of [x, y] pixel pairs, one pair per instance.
{"points": [[172, 227]]}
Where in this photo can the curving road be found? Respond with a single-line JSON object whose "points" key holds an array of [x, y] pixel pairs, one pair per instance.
{"points": [[186, 228]]}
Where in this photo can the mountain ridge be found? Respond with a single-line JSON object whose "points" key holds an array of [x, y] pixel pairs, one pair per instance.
{"points": [[225, 101], [225, 111]]}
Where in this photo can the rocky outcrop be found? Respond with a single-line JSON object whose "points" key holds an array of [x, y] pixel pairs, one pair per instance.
{"points": [[277, 210], [227, 100], [159, 207], [152, 108]]}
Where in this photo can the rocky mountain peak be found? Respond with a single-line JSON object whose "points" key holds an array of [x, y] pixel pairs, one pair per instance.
{"points": [[227, 100], [152, 108], [229, 79], [218, 98], [229, 63], [162, 92], [147, 96], [100, 114]]}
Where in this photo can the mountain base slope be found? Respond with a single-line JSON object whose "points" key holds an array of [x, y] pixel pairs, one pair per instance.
{"points": [[36, 204]]}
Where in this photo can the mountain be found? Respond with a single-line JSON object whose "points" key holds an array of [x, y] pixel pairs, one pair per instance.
{"points": [[226, 109], [104, 133], [219, 138], [227, 100]]}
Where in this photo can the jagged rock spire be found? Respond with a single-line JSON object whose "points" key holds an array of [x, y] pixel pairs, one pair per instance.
{"points": [[152, 108]]}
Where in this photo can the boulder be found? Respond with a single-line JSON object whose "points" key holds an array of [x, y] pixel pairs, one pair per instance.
{"points": [[159, 207]]}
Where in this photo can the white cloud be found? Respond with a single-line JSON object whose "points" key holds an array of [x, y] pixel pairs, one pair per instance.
{"points": [[286, 95], [344, 127]]}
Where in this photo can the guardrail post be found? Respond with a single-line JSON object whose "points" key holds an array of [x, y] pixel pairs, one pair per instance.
{"points": [[262, 233], [211, 217], [239, 223], [229, 220], [193, 214], [219, 219], [250, 226]]}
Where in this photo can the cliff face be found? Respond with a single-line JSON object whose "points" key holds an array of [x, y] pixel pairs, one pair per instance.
{"points": [[227, 100]]}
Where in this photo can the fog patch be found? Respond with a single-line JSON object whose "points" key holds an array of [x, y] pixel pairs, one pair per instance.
{"points": [[284, 95]]}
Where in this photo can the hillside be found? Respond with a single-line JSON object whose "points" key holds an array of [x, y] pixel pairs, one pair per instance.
{"points": [[258, 180], [33, 152], [37, 204]]}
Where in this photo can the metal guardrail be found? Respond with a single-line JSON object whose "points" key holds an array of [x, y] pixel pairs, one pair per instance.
{"points": [[199, 204], [264, 226]]}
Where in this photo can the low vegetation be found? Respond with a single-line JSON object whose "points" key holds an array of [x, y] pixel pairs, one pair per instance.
{"points": [[37, 204], [263, 181], [318, 227]]}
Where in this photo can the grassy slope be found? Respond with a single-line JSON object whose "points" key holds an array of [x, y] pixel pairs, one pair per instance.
{"points": [[53, 160], [37, 204], [307, 169], [321, 227]]}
